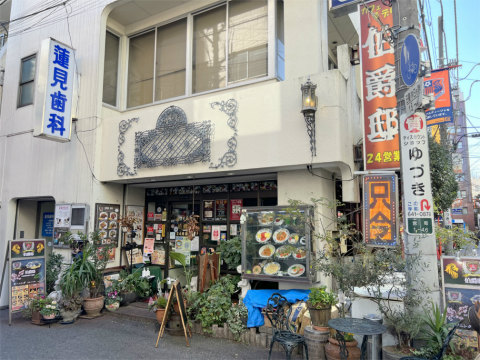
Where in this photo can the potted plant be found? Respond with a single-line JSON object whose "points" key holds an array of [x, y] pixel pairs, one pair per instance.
{"points": [[113, 298], [32, 309], [49, 310], [158, 306], [231, 251], [319, 303]]}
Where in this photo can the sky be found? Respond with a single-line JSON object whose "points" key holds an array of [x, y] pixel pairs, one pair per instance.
{"points": [[468, 18]]}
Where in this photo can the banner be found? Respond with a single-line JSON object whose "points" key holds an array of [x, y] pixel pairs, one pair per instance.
{"points": [[380, 206], [438, 84], [380, 118]]}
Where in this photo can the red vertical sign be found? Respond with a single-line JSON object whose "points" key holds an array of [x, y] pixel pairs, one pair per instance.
{"points": [[381, 147]]}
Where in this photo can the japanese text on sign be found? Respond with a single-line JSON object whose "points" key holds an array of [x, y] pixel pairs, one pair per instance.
{"points": [[380, 209], [379, 101]]}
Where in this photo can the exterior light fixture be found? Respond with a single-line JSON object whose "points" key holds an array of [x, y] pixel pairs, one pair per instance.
{"points": [[354, 56], [309, 107]]}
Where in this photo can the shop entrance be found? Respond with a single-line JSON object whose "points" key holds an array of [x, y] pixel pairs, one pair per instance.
{"points": [[34, 220]]}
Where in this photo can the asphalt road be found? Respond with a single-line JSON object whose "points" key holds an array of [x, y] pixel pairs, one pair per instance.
{"points": [[110, 337]]}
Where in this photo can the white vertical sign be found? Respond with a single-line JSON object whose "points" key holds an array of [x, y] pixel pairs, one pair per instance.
{"points": [[416, 174], [54, 98]]}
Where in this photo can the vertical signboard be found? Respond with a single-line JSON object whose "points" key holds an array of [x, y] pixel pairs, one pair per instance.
{"points": [[54, 99], [27, 272], [438, 84], [380, 212], [380, 116], [416, 170], [106, 222]]}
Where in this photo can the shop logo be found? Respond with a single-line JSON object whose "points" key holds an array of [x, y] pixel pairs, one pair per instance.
{"points": [[435, 87], [413, 124]]}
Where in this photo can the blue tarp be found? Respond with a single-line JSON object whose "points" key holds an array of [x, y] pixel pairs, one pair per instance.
{"points": [[256, 300]]}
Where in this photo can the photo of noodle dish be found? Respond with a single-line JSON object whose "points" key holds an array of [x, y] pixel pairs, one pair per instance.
{"points": [[266, 218], [300, 253], [296, 270], [263, 235], [283, 252], [293, 239], [266, 251], [271, 268], [281, 235]]}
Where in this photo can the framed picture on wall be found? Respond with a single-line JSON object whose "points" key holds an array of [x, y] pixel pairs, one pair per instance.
{"points": [[208, 209]]}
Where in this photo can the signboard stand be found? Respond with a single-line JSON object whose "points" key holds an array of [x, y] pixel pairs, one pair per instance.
{"points": [[26, 272], [175, 290]]}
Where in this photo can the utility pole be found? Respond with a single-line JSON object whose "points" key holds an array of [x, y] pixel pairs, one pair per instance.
{"points": [[419, 234]]}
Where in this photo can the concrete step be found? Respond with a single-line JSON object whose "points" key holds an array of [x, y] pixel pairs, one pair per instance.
{"points": [[136, 311]]}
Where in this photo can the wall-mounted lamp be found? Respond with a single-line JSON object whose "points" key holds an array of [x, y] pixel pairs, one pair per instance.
{"points": [[309, 107]]}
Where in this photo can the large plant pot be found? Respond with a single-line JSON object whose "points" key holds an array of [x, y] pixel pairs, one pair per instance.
{"points": [[93, 306], [36, 318], [127, 298], [320, 317], [393, 353], [176, 307], [332, 350]]}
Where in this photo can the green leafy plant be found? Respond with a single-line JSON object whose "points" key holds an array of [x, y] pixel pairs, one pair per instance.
{"points": [[189, 272], [237, 320], [231, 251], [159, 303], [454, 238], [34, 304], [53, 269], [212, 306], [320, 298], [134, 283]]}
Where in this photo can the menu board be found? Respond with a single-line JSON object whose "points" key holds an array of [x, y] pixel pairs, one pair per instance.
{"points": [[221, 209], [106, 222], [137, 212], [27, 271], [208, 209], [235, 209]]}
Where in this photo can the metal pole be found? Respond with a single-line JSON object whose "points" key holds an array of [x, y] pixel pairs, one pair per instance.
{"points": [[419, 232]]}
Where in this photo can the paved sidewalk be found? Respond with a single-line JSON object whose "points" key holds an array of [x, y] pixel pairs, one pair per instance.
{"points": [[110, 337]]}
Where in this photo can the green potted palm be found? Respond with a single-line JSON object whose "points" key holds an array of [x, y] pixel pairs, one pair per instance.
{"points": [[319, 303]]}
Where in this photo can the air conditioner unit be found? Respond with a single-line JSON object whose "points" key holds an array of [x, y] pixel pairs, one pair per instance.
{"points": [[80, 217]]}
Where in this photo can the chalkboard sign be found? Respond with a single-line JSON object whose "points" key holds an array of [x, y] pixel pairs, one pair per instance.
{"points": [[27, 272], [175, 291]]}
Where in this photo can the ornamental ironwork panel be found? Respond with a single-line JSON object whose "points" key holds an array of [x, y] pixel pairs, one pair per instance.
{"points": [[229, 158], [122, 168], [173, 141]]}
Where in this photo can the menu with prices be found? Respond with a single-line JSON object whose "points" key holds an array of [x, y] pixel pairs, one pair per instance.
{"points": [[106, 222], [27, 271]]}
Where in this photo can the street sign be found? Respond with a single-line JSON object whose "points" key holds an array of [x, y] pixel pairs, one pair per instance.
{"points": [[410, 60], [413, 98], [457, 211], [416, 174]]}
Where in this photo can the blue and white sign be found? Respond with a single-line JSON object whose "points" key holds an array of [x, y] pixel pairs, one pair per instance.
{"points": [[54, 96], [47, 224], [410, 60], [457, 211]]}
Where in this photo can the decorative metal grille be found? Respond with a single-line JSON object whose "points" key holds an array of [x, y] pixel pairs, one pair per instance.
{"points": [[230, 108], [173, 141], [122, 168]]}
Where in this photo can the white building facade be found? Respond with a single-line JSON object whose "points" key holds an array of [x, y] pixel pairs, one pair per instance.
{"points": [[176, 93]]}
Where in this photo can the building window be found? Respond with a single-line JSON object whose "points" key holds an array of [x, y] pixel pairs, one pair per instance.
{"points": [[465, 211], [110, 71], [229, 44], [463, 193], [27, 77]]}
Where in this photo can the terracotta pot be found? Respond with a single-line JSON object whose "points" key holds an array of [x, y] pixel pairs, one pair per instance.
{"points": [[93, 306], [160, 314], [176, 307], [49, 317], [320, 317], [332, 350], [113, 306], [36, 317]]}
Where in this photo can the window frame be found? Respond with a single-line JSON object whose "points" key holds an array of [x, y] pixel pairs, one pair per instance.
{"points": [[272, 61], [22, 84], [119, 60]]}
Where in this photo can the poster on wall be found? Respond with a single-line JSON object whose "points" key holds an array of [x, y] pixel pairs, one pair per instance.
{"points": [[27, 272], [183, 246], [63, 214], [158, 257], [221, 209], [216, 233], [148, 245], [208, 209], [235, 209], [106, 222], [137, 212], [134, 256], [380, 117]]}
